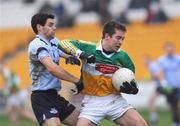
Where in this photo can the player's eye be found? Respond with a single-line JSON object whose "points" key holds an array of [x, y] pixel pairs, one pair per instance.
{"points": [[120, 38], [51, 24]]}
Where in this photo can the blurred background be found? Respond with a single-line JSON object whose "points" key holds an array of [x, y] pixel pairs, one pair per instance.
{"points": [[150, 23]]}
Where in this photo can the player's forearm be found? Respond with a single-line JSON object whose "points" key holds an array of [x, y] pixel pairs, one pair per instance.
{"points": [[64, 55], [68, 47], [75, 48], [57, 71], [62, 74]]}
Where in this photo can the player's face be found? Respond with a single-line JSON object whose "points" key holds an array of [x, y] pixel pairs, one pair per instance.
{"points": [[48, 30], [169, 49], [116, 40]]}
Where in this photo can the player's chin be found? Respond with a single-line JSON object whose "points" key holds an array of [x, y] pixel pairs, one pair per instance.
{"points": [[116, 48], [52, 35]]}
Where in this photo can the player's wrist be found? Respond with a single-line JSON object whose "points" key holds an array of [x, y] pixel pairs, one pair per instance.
{"points": [[165, 86], [78, 53], [79, 87], [164, 83], [72, 60], [88, 58]]}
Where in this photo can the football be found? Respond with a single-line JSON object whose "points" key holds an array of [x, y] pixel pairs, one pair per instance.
{"points": [[120, 76]]}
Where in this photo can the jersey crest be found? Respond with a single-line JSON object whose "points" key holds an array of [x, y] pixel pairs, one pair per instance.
{"points": [[106, 69]]}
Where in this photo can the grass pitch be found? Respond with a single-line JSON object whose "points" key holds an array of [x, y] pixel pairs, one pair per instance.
{"points": [[164, 120]]}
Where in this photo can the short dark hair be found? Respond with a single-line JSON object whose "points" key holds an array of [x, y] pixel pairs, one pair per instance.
{"points": [[110, 26], [40, 18]]}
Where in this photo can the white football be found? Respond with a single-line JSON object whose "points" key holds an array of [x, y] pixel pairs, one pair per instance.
{"points": [[120, 76]]}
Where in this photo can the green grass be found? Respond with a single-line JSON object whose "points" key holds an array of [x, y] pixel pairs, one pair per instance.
{"points": [[4, 121], [163, 115], [164, 120]]}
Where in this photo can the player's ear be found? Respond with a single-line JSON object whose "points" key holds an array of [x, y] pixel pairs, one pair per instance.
{"points": [[38, 26], [107, 35]]}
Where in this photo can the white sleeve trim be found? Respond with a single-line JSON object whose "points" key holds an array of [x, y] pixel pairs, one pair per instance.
{"points": [[78, 53]]}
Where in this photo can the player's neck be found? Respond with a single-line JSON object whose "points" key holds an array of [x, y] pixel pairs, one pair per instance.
{"points": [[107, 52], [105, 48], [45, 37]]}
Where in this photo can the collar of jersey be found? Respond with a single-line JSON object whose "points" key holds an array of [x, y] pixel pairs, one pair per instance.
{"points": [[43, 39], [99, 47]]}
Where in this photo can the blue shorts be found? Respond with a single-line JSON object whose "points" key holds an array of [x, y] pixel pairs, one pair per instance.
{"points": [[48, 104]]}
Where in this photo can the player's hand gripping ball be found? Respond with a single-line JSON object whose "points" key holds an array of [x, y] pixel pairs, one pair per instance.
{"points": [[123, 80]]}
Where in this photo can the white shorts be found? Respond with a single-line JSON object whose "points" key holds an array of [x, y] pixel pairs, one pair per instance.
{"points": [[95, 108]]}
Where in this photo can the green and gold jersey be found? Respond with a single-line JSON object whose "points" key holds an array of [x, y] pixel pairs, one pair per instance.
{"points": [[97, 77], [11, 81]]}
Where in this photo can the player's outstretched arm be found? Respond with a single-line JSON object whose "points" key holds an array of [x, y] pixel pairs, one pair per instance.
{"points": [[68, 47], [58, 71], [79, 49]]}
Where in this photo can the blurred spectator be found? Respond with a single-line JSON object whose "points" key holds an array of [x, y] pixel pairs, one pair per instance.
{"points": [[136, 4], [98, 6], [155, 13], [16, 98], [170, 80], [63, 18], [89, 5], [103, 10], [153, 69], [29, 1], [123, 18], [46, 7]]}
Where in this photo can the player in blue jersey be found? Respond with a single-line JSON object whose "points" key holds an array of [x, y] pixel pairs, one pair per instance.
{"points": [[170, 80], [49, 107]]}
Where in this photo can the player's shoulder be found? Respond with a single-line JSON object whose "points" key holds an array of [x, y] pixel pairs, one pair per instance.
{"points": [[87, 42], [154, 65], [55, 41], [162, 58], [37, 43], [177, 56], [122, 52]]}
